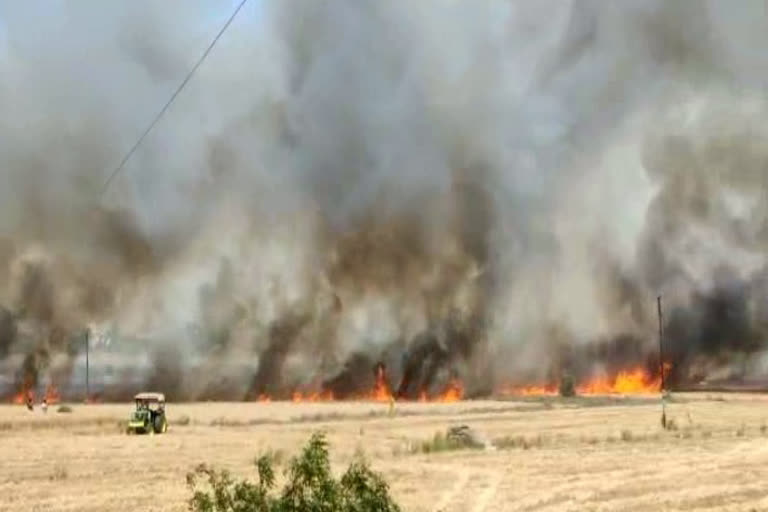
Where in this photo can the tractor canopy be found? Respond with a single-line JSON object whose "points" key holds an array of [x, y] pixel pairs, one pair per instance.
{"points": [[150, 397], [153, 401]]}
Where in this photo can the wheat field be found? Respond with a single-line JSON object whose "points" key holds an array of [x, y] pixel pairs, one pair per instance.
{"points": [[601, 454]]}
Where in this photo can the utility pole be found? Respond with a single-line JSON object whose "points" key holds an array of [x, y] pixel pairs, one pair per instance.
{"points": [[87, 364], [661, 364]]}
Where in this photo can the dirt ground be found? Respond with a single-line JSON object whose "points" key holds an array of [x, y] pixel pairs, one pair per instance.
{"points": [[582, 454]]}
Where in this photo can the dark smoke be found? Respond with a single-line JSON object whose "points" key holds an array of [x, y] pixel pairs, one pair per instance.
{"points": [[420, 366], [283, 335], [167, 373], [8, 331], [355, 376], [488, 191]]}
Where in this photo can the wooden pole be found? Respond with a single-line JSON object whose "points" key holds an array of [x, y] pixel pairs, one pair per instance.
{"points": [[87, 364], [661, 364], [661, 344]]}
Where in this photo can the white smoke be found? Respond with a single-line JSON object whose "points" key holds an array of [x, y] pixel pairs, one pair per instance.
{"points": [[312, 168]]}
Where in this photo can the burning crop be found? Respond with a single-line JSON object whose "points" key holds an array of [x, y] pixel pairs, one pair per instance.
{"points": [[22, 397], [511, 390], [52, 395], [380, 391], [632, 381], [318, 396], [453, 391]]}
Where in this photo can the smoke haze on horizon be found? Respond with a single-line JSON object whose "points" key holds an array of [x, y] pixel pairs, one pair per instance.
{"points": [[494, 189]]}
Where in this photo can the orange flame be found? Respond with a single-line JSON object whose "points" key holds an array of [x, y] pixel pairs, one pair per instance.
{"points": [[380, 392], [21, 397], [52, 395], [509, 390], [452, 393], [315, 396], [635, 380]]}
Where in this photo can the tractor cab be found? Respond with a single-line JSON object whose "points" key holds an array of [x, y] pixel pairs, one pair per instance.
{"points": [[149, 416]]}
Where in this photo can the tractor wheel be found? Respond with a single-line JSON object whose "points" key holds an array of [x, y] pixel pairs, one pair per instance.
{"points": [[160, 426]]}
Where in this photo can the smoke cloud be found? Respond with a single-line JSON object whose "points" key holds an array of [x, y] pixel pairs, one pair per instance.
{"points": [[489, 190]]}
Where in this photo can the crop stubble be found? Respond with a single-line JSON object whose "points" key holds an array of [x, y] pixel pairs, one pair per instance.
{"points": [[558, 455]]}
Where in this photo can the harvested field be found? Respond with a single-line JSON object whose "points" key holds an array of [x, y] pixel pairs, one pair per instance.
{"points": [[551, 454]]}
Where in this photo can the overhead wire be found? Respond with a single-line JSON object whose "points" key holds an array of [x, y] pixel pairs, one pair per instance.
{"points": [[170, 101]]}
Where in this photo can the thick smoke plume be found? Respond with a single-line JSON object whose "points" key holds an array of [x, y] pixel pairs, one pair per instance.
{"points": [[485, 190]]}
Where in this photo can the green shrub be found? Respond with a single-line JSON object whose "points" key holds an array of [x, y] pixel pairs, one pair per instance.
{"points": [[275, 457], [443, 442], [64, 409], [310, 486], [438, 443]]}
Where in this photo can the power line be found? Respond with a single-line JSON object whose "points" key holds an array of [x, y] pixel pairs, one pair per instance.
{"points": [[157, 118]]}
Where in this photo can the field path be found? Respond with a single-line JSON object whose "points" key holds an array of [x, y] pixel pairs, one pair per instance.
{"points": [[484, 499], [472, 490], [462, 479]]}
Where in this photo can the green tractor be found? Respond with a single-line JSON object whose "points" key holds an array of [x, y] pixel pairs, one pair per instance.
{"points": [[149, 416]]}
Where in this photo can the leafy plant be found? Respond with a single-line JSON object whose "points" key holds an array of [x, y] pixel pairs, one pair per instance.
{"points": [[442, 442], [310, 486]]}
